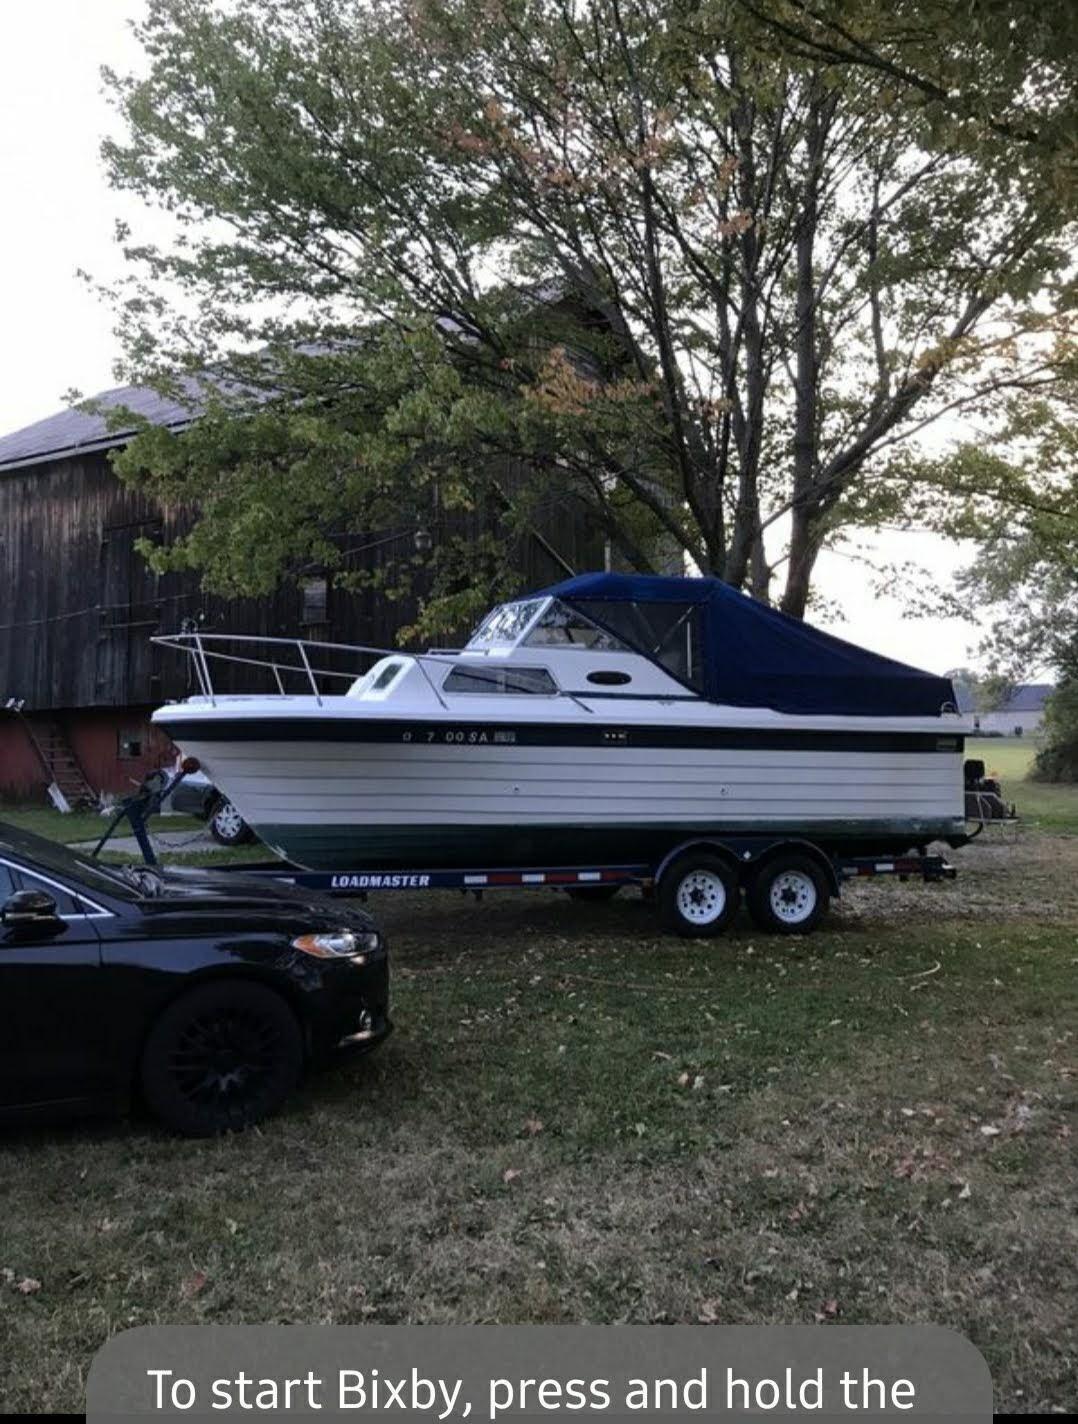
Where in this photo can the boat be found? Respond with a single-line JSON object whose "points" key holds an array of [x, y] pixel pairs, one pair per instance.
{"points": [[604, 720]]}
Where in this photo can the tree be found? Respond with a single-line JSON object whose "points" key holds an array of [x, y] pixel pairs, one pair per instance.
{"points": [[706, 279], [988, 691], [1026, 570]]}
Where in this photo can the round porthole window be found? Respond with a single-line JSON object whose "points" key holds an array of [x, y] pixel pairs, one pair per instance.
{"points": [[609, 678]]}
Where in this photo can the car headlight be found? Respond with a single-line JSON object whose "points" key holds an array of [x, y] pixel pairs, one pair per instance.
{"points": [[338, 944]]}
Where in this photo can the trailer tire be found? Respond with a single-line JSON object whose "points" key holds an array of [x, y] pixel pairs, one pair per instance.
{"points": [[789, 895], [698, 896]]}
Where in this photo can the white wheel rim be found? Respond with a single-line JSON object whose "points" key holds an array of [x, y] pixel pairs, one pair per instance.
{"points": [[228, 820], [701, 897], [793, 897]]}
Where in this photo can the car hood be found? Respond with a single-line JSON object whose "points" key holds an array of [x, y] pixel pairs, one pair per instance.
{"points": [[223, 893]]}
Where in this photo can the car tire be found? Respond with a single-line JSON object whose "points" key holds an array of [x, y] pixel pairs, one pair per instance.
{"points": [[789, 895], [698, 896], [221, 1058], [227, 826], [592, 894]]}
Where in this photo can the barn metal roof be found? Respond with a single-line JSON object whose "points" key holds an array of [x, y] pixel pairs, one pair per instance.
{"points": [[1028, 697], [73, 432]]}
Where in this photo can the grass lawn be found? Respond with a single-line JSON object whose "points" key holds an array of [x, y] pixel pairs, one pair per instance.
{"points": [[578, 1120], [1045, 806], [81, 825]]}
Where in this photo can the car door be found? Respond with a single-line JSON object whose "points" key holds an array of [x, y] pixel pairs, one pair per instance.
{"points": [[53, 1032]]}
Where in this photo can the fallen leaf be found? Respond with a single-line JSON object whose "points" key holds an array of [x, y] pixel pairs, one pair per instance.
{"points": [[510, 1174], [827, 1311], [709, 1312], [965, 1193], [193, 1285], [698, 1082], [28, 1286], [987, 1130], [533, 1126], [683, 1080]]}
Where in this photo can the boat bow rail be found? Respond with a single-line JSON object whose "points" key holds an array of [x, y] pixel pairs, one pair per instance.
{"points": [[285, 658]]}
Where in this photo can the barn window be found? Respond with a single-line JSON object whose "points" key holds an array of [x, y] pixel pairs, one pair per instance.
{"points": [[315, 600], [129, 745]]}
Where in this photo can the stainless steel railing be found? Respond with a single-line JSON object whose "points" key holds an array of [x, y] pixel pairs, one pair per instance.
{"points": [[201, 648]]}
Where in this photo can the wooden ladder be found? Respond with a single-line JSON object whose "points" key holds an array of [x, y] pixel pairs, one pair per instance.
{"points": [[60, 762]]}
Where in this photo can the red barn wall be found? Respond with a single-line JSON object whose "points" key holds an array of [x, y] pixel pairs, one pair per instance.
{"points": [[94, 736]]}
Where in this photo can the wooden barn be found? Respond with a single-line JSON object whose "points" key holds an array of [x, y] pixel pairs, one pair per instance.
{"points": [[79, 674]]}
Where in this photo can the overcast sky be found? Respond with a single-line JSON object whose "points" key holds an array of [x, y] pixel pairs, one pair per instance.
{"points": [[58, 215]]}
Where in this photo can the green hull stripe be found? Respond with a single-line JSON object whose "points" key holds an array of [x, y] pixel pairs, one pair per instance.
{"points": [[365, 847]]}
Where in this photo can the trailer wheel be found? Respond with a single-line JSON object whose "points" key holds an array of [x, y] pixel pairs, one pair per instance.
{"points": [[789, 895], [592, 894], [698, 896]]}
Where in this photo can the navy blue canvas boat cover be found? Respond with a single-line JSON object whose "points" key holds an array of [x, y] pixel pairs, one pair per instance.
{"points": [[755, 656]]}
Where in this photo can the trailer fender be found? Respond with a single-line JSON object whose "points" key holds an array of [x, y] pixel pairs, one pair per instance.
{"points": [[807, 848], [748, 852]]}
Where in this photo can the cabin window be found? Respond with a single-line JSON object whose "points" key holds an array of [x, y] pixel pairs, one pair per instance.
{"points": [[129, 745], [668, 633], [565, 627], [607, 677], [385, 677], [315, 593], [494, 680]]}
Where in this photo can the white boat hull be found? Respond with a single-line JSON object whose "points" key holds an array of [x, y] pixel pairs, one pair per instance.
{"points": [[339, 804]]}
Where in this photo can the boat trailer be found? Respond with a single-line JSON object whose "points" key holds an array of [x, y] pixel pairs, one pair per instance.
{"points": [[788, 881]]}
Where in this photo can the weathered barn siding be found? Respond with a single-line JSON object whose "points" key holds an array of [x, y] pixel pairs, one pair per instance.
{"points": [[21, 773], [100, 740], [79, 606]]}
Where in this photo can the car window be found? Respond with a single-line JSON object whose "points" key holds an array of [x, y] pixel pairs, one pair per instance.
{"points": [[7, 883], [66, 904], [71, 865]]}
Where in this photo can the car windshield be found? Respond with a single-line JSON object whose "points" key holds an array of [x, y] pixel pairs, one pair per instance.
{"points": [[83, 870]]}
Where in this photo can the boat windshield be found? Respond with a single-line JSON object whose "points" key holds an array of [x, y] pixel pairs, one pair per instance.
{"points": [[503, 625], [565, 627]]}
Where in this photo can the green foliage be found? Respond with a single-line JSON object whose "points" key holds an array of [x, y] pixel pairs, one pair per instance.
{"points": [[1057, 760], [989, 690], [700, 271]]}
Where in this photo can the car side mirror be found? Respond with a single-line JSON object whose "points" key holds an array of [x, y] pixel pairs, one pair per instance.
{"points": [[30, 909]]}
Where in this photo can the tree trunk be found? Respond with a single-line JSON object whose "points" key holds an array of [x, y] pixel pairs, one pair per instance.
{"points": [[804, 542]]}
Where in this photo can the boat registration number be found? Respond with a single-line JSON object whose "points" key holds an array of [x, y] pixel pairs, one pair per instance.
{"points": [[455, 736]]}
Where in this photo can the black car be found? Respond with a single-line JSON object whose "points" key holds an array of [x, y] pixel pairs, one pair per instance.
{"points": [[204, 993]]}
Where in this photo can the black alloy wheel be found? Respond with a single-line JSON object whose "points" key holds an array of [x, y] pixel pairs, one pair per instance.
{"points": [[221, 1058]]}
